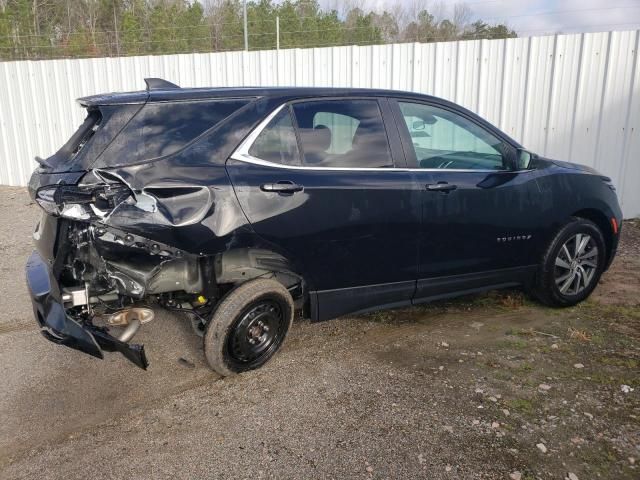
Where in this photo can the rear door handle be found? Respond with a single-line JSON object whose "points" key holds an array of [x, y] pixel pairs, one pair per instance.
{"points": [[441, 187], [284, 186]]}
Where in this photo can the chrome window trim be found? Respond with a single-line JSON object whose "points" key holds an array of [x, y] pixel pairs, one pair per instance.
{"points": [[241, 154]]}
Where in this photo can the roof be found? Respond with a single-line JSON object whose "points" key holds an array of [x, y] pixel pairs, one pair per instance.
{"points": [[159, 90], [175, 93]]}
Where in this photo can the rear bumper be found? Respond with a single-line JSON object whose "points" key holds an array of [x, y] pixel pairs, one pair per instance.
{"points": [[58, 327]]}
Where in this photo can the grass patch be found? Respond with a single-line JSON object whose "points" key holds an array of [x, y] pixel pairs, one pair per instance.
{"points": [[517, 344], [491, 362], [601, 378], [601, 458], [613, 312], [521, 405], [612, 380], [578, 334], [520, 332], [629, 363], [503, 376], [382, 316], [525, 367], [502, 299]]}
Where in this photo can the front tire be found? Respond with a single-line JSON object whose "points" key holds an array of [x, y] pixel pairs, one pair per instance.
{"points": [[572, 264], [248, 327]]}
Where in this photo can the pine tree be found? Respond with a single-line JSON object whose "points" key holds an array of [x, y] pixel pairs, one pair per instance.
{"points": [[33, 29]]}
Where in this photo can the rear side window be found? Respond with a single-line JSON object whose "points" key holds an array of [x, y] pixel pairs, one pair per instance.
{"points": [[163, 128], [342, 133], [81, 137], [277, 142]]}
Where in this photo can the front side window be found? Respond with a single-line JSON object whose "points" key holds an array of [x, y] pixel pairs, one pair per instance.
{"points": [[277, 142], [342, 133], [444, 139]]}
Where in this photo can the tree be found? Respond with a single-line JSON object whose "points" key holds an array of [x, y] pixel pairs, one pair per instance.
{"points": [[387, 24], [359, 28], [479, 30], [423, 29], [261, 17], [31, 29], [225, 20], [131, 31]]}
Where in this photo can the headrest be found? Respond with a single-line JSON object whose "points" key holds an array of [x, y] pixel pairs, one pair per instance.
{"points": [[359, 136], [318, 139]]}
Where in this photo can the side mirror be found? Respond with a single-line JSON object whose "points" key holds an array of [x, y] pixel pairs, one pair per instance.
{"points": [[418, 125], [516, 158], [523, 158]]}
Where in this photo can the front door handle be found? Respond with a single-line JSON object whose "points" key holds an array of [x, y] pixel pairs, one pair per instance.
{"points": [[281, 187], [441, 187]]}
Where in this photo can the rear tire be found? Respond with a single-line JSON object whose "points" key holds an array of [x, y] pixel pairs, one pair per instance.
{"points": [[248, 327], [572, 264]]}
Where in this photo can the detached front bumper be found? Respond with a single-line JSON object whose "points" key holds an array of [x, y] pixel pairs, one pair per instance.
{"points": [[60, 328]]}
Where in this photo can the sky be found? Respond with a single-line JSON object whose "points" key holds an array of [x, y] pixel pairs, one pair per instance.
{"points": [[534, 17]]}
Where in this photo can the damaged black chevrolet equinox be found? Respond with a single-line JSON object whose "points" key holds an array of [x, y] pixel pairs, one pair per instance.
{"points": [[240, 206]]}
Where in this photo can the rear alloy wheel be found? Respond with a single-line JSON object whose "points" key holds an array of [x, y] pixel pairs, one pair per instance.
{"points": [[572, 264], [248, 327]]}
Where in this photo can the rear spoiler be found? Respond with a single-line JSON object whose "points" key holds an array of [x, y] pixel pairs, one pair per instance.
{"points": [[159, 84], [153, 84]]}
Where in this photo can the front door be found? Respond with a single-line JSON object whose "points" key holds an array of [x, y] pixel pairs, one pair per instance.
{"points": [[479, 215], [320, 181]]}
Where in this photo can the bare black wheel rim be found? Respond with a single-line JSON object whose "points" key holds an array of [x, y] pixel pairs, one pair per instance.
{"points": [[257, 333], [576, 264]]}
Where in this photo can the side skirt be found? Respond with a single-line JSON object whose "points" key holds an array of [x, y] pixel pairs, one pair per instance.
{"points": [[442, 287], [328, 304]]}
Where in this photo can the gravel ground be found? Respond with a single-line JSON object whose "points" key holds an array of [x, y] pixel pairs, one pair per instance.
{"points": [[492, 386]]}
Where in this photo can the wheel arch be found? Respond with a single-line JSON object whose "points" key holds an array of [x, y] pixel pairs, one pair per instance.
{"points": [[240, 265], [603, 223]]}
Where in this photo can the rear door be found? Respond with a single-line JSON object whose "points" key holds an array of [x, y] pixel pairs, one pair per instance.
{"points": [[479, 214], [322, 180]]}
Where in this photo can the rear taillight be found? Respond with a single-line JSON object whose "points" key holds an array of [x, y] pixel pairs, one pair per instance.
{"points": [[46, 199], [82, 202]]}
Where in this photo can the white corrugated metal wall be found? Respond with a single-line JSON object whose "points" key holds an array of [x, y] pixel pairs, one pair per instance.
{"points": [[571, 97]]}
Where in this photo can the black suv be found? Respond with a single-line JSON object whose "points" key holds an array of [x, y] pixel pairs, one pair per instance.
{"points": [[241, 206]]}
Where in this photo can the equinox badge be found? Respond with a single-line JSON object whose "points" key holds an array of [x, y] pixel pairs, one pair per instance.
{"points": [[513, 238]]}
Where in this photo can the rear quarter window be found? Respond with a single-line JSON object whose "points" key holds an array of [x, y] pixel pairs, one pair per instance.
{"points": [[163, 128], [81, 137]]}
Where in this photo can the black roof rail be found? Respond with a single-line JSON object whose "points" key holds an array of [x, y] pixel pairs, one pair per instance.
{"points": [[159, 84]]}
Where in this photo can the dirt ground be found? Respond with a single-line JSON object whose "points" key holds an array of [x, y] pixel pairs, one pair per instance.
{"points": [[490, 386]]}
